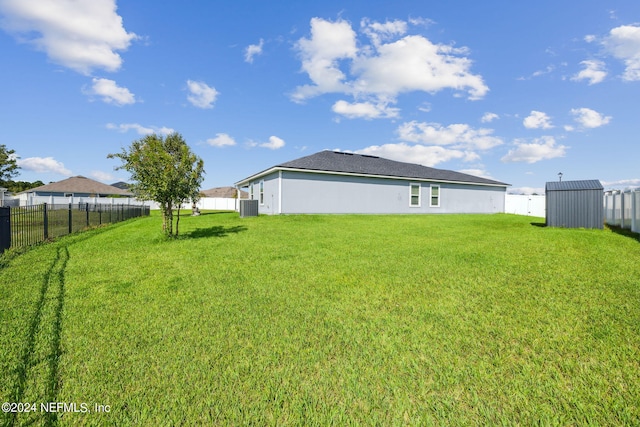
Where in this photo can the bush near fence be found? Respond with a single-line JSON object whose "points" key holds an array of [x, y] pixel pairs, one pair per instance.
{"points": [[28, 225]]}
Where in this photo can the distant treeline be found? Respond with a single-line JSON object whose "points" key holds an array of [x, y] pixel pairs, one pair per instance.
{"points": [[18, 186]]}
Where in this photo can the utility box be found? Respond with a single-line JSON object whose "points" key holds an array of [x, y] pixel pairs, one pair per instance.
{"points": [[248, 208], [575, 204]]}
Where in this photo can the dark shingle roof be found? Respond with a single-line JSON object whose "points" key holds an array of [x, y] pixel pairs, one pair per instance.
{"points": [[589, 184], [333, 161], [121, 185]]}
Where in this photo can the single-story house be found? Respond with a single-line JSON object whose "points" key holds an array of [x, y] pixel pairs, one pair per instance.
{"points": [[341, 183], [225, 193], [77, 186]]}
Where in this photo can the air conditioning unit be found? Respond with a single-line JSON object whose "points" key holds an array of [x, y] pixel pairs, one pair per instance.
{"points": [[248, 208]]}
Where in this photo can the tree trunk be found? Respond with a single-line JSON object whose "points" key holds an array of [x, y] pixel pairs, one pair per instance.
{"points": [[167, 218], [178, 220]]}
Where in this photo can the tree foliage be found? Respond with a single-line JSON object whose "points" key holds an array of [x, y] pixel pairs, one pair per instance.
{"points": [[163, 169], [18, 186], [8, 164]]}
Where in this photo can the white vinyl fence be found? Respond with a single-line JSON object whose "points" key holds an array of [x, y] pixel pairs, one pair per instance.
{"points": [[29, 200], [531, 205], [622, 208], [207, 203]]}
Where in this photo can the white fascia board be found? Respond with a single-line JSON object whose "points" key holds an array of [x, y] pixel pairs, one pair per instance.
{"points": [[246, 181], [365, 175]]}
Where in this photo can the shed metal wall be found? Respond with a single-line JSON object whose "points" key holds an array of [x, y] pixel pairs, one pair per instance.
{"points": [[575, 208]]}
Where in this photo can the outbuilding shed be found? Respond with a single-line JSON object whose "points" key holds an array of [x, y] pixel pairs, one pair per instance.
{"points": [[347, 183], [575, 204]]}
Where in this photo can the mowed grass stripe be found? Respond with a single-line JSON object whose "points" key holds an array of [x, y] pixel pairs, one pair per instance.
{"points": [[416, 320]]}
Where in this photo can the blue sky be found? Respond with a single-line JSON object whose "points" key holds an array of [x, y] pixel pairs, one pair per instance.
{"points": [[514, 91]]}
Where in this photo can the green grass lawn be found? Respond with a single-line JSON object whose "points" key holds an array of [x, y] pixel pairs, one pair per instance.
{"points": [[326, 320]]}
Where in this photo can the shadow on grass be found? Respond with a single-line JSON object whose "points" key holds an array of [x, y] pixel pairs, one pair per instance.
{"points": [[215, 231], [48, 302], [538, 224], [624, 232]]}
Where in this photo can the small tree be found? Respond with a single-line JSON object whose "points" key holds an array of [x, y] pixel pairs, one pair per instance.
{"points": [[163, 170], [8, 164]]}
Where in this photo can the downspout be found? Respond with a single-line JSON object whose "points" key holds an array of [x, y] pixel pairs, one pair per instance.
{"points": [[280, 192]]}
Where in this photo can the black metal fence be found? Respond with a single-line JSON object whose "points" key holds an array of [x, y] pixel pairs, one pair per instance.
{"points": [[27, 225]]}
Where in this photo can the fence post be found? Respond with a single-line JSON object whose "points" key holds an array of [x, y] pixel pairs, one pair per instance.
{"points": [[634, 214], [70, 218], [45, 212], [5, 228], [87, 210]]}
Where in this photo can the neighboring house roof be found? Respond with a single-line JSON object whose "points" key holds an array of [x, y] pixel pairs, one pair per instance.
{"points": [[121, 185], [340, 163], [79, 184], [590, 184], [224, 192]]}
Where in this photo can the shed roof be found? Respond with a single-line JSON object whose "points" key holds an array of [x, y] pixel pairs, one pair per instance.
{"points": [[589, 184], [79, 184], [360, 164]]}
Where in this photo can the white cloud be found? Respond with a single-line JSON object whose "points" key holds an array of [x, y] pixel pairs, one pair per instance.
{"points": [[201, 95], [413, 63], [253, 50], [489, 117], [103, 176], [44, 165], [477, 172], [622, 183], [384, 69], [589, 118], [460, 136], [329, 42], [526, 190], [110, 92], [221, 140], [378, 32], [79, 34], [537, 120], [623, 43], [365, 110], [540, 149], [594, 71], [142, 130], [420, 154], [547, 70], [274, 143]]}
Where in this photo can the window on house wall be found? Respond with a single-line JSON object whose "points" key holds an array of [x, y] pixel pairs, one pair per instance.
{"points": [[435, 196], [262, 192], [414, 191], [251, 191]]}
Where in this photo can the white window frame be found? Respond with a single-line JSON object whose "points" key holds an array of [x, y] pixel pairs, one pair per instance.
{"points": [[431, 196], [411, 186], [261, 191], [251, 191]]}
